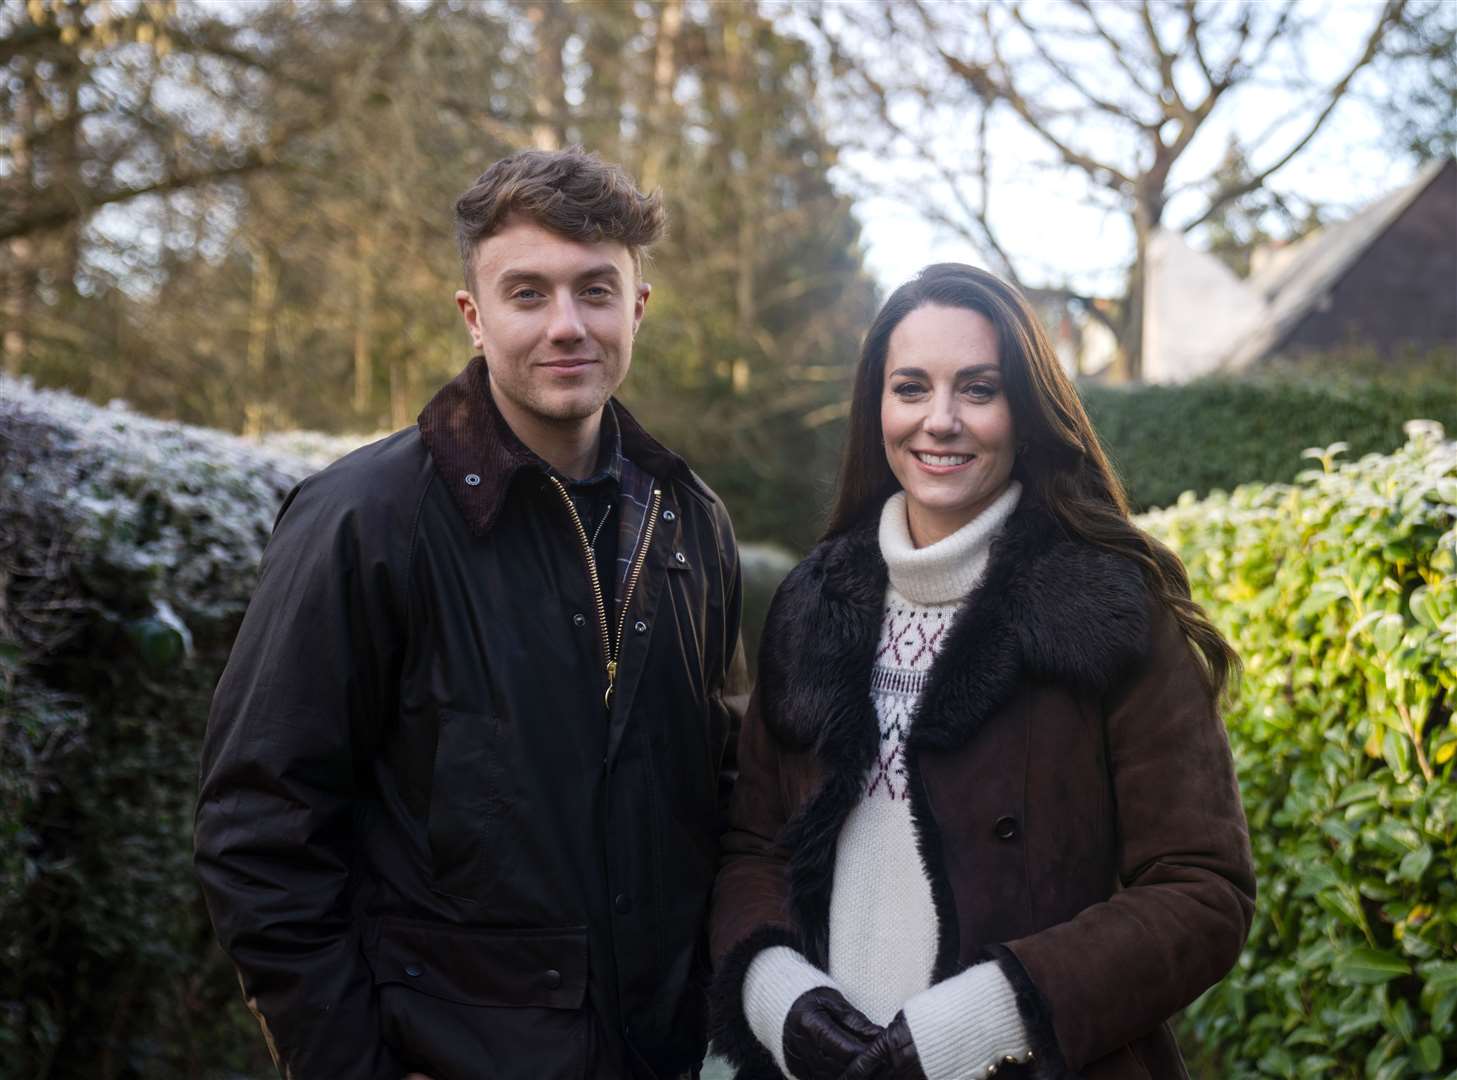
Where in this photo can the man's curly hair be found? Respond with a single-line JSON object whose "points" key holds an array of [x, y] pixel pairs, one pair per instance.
{"points": [[571, 192]]}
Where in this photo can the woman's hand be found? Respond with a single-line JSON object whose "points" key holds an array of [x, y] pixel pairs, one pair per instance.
{"points": [[824, 1033], [892, 1056]]}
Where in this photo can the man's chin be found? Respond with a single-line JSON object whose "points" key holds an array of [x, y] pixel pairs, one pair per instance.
{"points": [[573, 409]]}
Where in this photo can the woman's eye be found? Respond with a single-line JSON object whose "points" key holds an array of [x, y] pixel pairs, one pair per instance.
{"points": [[982, 390], [905, 389]]}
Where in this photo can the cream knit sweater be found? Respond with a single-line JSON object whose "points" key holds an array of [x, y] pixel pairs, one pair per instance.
{"points": [[883, 926]]}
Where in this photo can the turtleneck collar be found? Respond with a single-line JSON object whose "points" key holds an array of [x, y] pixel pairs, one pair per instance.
{"points": [[947, 570]]}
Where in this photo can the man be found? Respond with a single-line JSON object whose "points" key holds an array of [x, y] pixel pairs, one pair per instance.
{"points": [[461, 785]]}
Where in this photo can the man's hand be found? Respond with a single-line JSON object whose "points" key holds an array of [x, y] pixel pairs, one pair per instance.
{"points": [[892, 1056], [823, 1034]]}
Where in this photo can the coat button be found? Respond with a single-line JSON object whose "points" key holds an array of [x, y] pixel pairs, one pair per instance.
{"points": [[640, 627], [414, 970], [668, 515], [622, 904], [471, 479], [553, 979], [1005, 828], [680, 556], [579, 619]]}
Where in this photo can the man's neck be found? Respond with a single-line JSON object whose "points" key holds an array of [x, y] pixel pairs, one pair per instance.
{"points": [[568, 446]]}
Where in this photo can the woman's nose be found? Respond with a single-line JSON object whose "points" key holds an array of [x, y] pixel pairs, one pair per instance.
{"points": [[942, 420]]}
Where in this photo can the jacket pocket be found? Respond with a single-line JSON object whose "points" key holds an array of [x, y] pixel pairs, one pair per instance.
{"points": [[462, 1002], [469, 805], [472, 966]]}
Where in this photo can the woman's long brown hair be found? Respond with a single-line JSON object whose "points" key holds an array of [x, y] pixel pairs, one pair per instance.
{"points": [[1060, 461]]}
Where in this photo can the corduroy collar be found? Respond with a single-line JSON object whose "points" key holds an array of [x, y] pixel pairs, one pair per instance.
{"points": [[478, 455]]}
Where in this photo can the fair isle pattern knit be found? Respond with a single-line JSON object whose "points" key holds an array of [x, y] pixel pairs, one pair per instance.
{"points": [[883, 926], [909, 638]]}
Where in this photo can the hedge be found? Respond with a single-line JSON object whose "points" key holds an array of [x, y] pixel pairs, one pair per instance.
{"points": [[1214, 434], [129, 550], [1340, 593]]}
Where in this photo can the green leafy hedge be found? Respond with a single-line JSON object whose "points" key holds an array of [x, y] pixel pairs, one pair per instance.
{"points": [[1340, 593], [1218, 433]]}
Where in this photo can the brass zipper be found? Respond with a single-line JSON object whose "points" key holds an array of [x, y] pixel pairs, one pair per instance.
{"points": [[611, 650]]}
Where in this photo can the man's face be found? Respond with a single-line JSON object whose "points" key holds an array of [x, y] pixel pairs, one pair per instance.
{"points": [[554, 318]]}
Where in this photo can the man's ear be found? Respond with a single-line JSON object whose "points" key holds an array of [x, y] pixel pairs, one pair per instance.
{"points": [[640, 303], [472, 316]]}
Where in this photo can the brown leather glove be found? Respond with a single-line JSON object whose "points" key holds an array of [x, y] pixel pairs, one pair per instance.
{"points": [[892, 1056], [824, 1033]]}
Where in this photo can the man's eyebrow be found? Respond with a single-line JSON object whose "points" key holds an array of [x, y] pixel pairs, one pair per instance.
{"points": [[511, 277]]}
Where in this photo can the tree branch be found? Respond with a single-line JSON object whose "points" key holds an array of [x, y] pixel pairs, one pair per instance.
{"points": [[1390, 15], [54, 216]]}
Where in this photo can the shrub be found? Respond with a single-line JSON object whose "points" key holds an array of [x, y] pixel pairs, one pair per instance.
{"points": [[1217, 433], [1340, 593], [130, 548]]}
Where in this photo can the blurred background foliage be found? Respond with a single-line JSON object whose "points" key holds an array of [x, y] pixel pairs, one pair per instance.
{"points": [[313, 288]]}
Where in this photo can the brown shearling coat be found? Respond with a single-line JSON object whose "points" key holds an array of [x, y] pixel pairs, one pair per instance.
{"points": [[1071, 783]]}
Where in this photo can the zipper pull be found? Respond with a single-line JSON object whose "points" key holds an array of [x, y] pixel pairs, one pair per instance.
{"points": [[611, 681]]}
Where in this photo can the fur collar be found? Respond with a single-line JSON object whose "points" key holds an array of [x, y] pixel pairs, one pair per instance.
{"points": [[1049, 608], [477, 454]]}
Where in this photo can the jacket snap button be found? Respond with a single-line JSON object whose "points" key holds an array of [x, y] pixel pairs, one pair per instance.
{"points": [[622, 904], [1006, 828], [680, 556], [413, 970], [640, 626], [553, 979], [579, 619], [472, 479], [668, 515]]}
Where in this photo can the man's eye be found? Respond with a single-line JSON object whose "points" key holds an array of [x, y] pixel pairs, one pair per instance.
{"points": [[525, 294], [596, 292]]}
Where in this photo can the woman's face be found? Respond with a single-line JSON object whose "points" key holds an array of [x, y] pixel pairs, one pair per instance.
{"points": [[945, 418]]}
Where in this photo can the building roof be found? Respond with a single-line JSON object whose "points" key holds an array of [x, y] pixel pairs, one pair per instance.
{"points": [[1299, 279]]}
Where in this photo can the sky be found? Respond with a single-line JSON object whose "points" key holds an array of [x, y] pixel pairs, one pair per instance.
{"points": [[1056, 236]]}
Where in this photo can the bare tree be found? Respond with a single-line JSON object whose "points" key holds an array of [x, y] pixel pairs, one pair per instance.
{"points": [[1115, 93]]}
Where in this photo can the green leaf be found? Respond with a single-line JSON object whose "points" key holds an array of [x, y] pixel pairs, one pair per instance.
{"points": [[1388, 631], [1429, 1053], [1425, 609], [1415, 864], [1369, 967]]}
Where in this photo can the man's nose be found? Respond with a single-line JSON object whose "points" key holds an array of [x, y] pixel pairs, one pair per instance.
{"points": [[566, 321]]}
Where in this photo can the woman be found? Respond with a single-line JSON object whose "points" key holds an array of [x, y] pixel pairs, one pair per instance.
{"points": [[986, 815]]}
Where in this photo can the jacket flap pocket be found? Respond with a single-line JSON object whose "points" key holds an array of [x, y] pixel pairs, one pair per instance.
{"points": [[474, 966]]}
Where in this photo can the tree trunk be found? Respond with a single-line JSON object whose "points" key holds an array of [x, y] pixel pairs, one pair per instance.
{"points": [[20, 250], [660, 106], [260, 314], [363, 314], [549, 100]]}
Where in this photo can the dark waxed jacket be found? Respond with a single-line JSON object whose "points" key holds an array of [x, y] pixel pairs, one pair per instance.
{"points": [[1071, 788], [423, 839]]}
